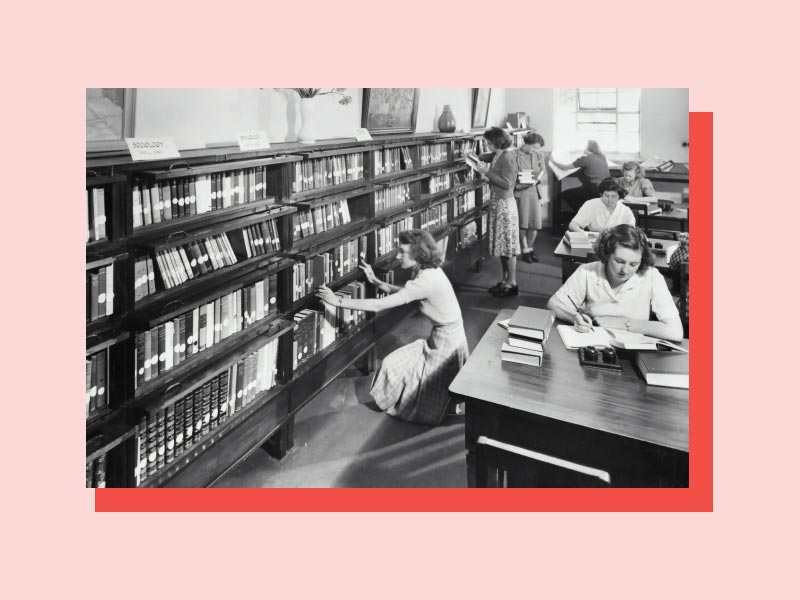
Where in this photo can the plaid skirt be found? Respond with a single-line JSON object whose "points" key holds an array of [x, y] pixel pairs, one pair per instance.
{"points": [[412, 381]]}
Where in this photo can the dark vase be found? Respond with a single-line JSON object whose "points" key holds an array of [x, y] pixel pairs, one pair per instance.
{"points": [[447, 122]]}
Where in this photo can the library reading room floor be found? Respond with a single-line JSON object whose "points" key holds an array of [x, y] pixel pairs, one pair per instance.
{"points": [[342, 440]]}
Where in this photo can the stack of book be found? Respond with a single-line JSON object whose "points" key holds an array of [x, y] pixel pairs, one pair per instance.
{"points": [[528, 330], [580, 240]]}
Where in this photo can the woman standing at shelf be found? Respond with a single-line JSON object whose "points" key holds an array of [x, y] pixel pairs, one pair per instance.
{"points": [[503, 215], [529, 203], [593, 168], [412, 381], [620, 290], [634, 182], [604, 212]]}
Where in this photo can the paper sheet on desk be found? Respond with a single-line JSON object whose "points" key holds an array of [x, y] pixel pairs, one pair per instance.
{"points": [[560, 173], [573, 339]]}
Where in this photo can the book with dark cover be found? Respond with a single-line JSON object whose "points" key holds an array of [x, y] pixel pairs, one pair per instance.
{"points": [[179, 426], [94, 287], [181, 339], [176, 204], [101, 401], [223, 397], [161, 440], [206, 409], [169, 434], [239, 400], [188, 420], [198, 415], [519, 355], [534, 323], [214, 406], [140, 433], [152, 445], [668, 369], [99, 478]]}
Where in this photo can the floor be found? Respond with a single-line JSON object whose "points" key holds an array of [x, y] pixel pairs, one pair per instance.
{"points": [[342, 440]]}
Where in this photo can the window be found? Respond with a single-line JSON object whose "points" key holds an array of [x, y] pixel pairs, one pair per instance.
{"points": [[109, 118], [608, 115]]}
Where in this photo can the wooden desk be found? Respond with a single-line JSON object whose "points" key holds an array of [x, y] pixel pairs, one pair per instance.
{"points": [[571, 258], [675, 220], [678, 174], [612, 422]]}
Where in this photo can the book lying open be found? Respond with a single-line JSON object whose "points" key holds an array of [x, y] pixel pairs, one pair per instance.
{"points": [[618, 338]]}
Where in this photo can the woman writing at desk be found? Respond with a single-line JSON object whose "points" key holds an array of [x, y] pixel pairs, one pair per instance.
{"points": [[412, 381], [620, 290], [634, 183], [604, 212]]}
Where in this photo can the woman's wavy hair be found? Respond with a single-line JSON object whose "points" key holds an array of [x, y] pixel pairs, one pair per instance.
{"points": [[626, 236], [533, 138], [424, 249], [609, 184], [633, 166], [498, 138]]}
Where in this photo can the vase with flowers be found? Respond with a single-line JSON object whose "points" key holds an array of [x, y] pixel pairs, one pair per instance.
{"points": [[308, 96]]}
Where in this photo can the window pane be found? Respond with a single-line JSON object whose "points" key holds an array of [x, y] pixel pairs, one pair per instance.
{"points": [[628, 123], [629, 99], [587, 101], [104, 111], [628, 142], [596, 117], [607, 100]]}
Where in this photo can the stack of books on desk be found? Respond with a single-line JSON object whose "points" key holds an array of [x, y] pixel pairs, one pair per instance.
{"points": [[580, 240], [528, 329]]}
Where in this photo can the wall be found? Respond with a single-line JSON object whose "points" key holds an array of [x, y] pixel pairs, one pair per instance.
{"points": [[195, 118], [664, 118]]}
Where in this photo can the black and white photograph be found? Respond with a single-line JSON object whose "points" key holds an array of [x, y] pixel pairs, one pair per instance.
{"points": [[492, 291]]}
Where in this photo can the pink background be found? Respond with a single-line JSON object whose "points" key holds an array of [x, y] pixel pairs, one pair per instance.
{"points": [[735, 65]]}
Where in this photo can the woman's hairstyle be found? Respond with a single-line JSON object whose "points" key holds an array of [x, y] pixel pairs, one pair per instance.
{"points": [[593, 147], [626, 236], [609, 184], [533, 138], [498, 138], [424, 249], [634, 166]]}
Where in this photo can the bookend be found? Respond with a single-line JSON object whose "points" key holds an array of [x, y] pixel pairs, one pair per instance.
{"points": [[599, 357]]}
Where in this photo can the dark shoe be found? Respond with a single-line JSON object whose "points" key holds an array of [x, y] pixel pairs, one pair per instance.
{"points": [[507, 290], [534, 258], [496, 287], [527, 257]]}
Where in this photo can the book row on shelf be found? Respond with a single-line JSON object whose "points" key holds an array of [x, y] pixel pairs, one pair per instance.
{"points": [[432, 154], [327, 267], [176, 198], [169, 344], [320, 219], [391, 160], [392, 196], [201, 336], [315, 330], [164, 435], [315, 173], [100, 292], [387, 238]]}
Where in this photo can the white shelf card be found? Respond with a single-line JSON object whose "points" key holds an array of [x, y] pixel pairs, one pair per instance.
{"points": [[152, 148], [253, 140], [362, 134]]}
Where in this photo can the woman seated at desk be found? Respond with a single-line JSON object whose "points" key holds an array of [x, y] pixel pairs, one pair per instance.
{"points": [[604, 212], [593, 169], [620, 290], [634, 182]]}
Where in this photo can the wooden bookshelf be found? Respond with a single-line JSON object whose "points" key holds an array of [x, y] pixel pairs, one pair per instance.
{"points": [[267, 421]]}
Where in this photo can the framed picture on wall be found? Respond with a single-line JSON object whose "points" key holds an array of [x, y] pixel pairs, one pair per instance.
{"points": [[390, 110], [480, 107], [109, 118]]}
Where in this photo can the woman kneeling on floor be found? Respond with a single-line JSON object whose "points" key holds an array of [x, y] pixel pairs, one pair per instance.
{"points": [[412, 381]]}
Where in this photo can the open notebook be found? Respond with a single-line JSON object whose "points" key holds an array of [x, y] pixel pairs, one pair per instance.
{"points": [[619, 338]]}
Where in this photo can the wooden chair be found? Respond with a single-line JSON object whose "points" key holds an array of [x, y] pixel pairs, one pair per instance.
{"points": [[507, 466]]}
